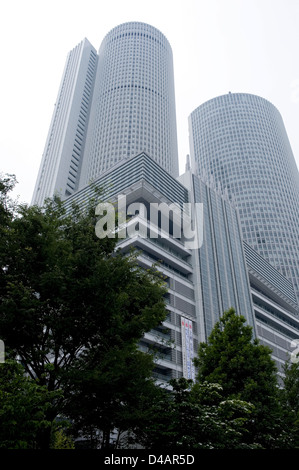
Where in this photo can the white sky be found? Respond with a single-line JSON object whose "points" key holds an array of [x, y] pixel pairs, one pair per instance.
{"points": [[244, 46]]}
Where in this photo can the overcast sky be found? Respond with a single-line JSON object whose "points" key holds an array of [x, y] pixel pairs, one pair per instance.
{"points": [[244, 46]]}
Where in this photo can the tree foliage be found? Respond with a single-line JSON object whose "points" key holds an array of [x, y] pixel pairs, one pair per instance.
{"points": [[289, 396], [244, 368], [235, 403], [232, 358], [71, 303], [196, 416], [73, 310], [23, 408]]}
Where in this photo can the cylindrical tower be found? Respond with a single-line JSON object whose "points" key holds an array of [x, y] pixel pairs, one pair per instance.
{"points": [[239, 140], [133, 107]]}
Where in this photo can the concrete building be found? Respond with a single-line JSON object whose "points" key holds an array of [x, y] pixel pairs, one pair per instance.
{"points": [[275, 307], [203, 280], [219, 264], [142, 181]]}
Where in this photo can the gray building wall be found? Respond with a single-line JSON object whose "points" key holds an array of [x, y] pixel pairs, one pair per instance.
{"points": [[221, 272], [275, 307], [142, 180], [202, 282]]}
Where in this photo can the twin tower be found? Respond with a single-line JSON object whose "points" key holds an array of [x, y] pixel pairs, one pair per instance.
{"points": [[120, 102], [111, 106]]}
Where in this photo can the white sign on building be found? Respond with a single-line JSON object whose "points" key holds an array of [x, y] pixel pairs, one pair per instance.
{"points": [[187, 349]]}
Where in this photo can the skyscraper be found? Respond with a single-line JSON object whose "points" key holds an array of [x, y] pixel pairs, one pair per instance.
{"points": [[114, 128], [62, 158], [111, 106], [239, 141], [133, 108]]}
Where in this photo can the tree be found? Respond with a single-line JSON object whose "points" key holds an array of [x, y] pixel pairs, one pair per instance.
{"points": [[69, 298], [7, 204], [291, 385], [60, 440], [244, 368], [23, 407], [110, 397], [195, 416], [289, 396]]}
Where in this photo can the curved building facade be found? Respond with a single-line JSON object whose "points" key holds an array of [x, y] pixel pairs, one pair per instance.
{"points": [[133, 108], [239, 141]]}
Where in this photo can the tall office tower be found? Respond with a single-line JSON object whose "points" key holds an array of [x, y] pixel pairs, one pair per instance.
{"points": [[62, 158], [133, 107], [239, 141], [111, 106]]}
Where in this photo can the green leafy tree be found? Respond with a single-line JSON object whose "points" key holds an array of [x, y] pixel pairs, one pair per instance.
{"points": [[7, 204], [291, 385], [23, 407], [60, 440], [108, 396], [69, 300], [195, 416], [244, 368], [289, 395]]}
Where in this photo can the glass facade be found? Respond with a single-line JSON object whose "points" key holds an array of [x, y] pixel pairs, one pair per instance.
{"points": [[238, 141], [133, 107], [111, 106]]}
